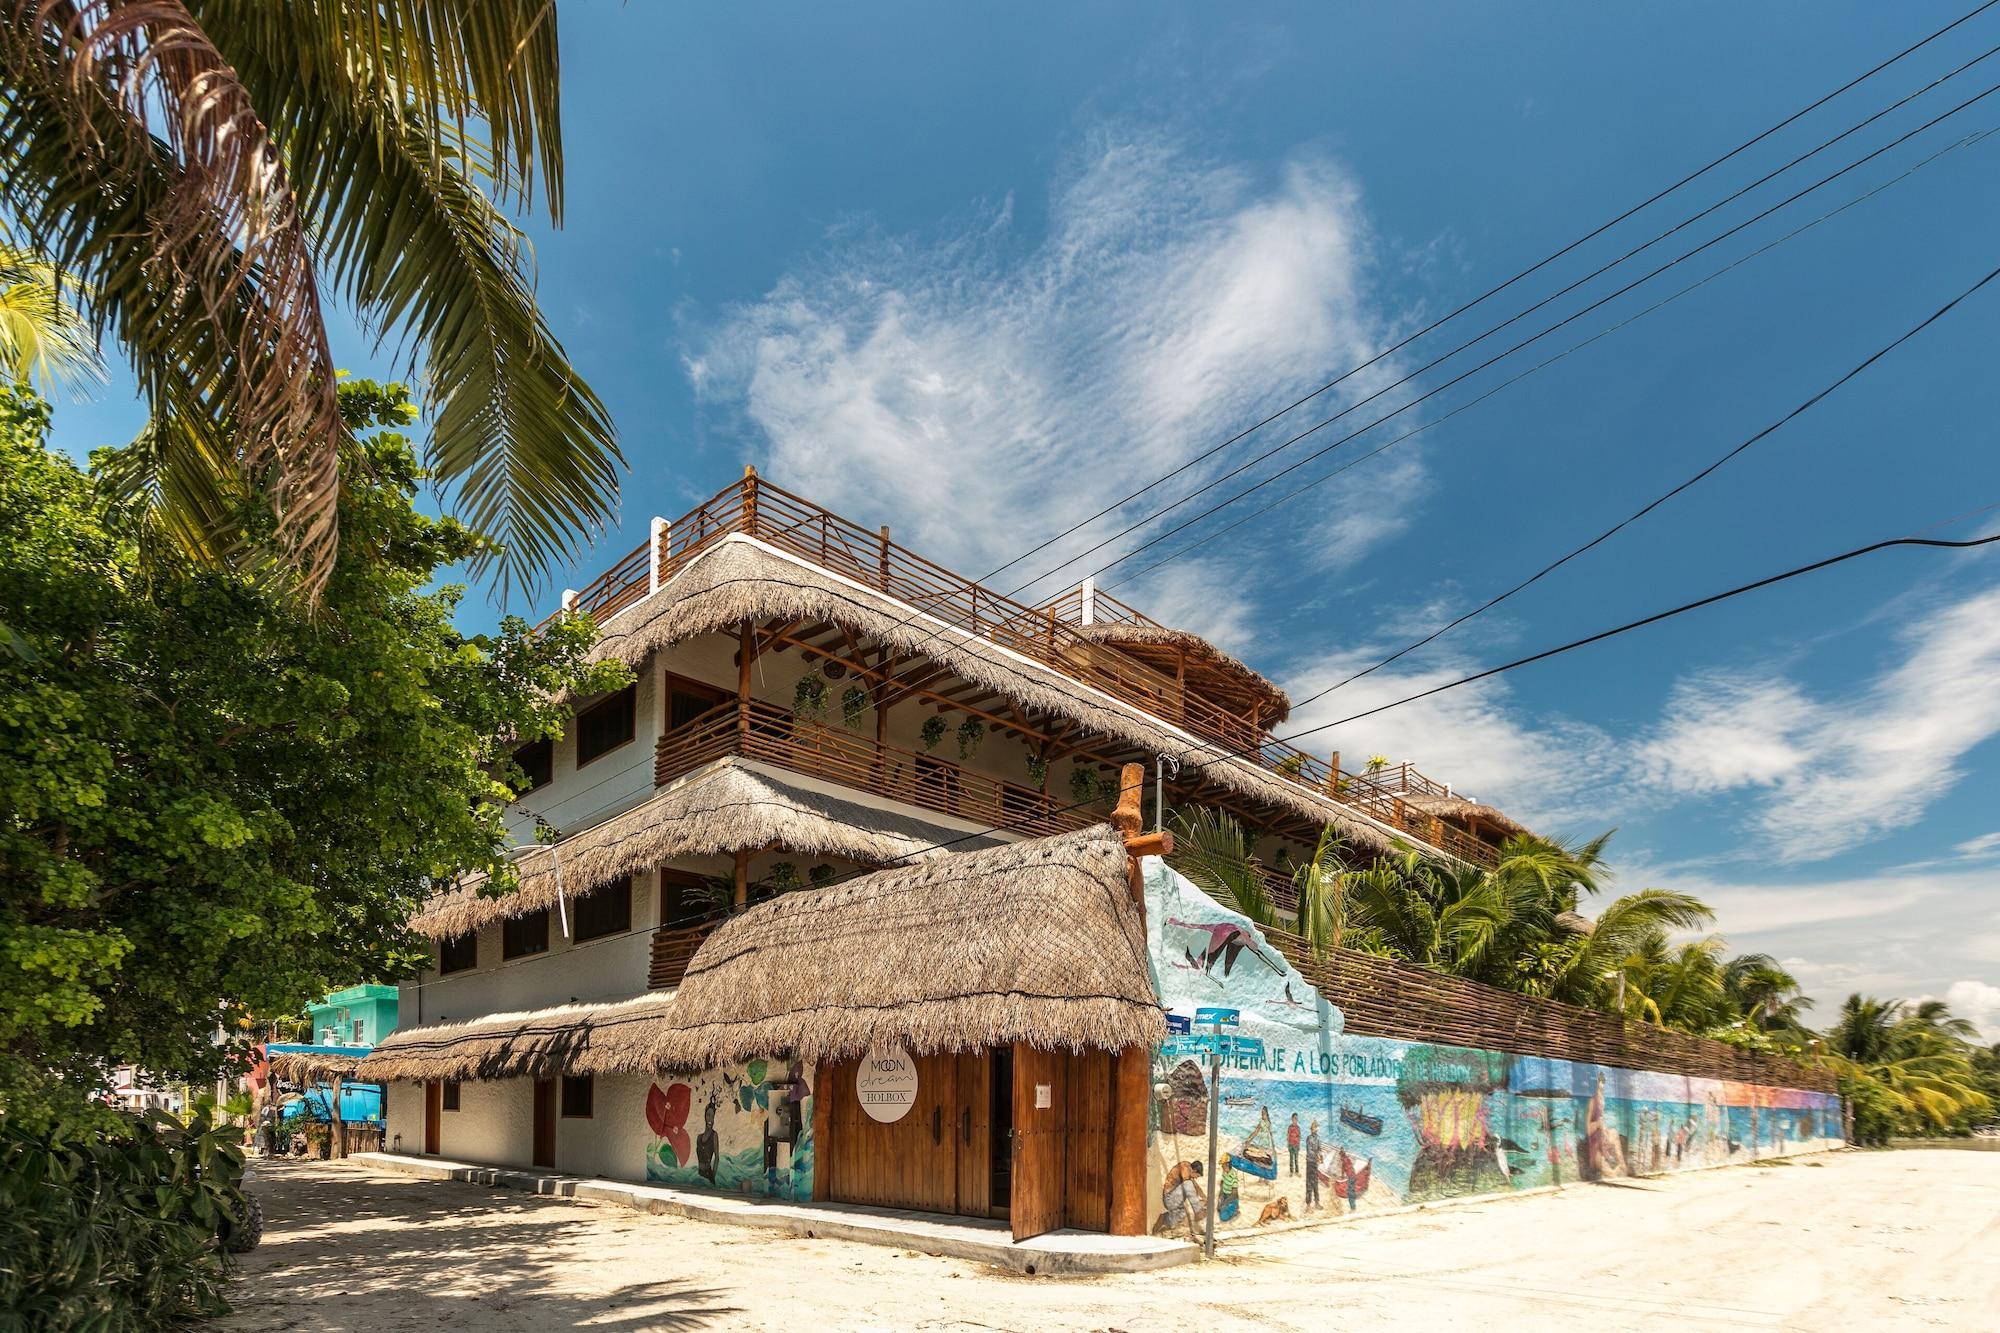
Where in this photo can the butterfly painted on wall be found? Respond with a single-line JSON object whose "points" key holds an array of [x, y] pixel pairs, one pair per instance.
{"points": [[667, 1113]]}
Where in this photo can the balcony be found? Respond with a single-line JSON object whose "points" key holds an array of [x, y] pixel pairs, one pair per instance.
{"points": [[762, 731], [673, 950], [1047, 634]]}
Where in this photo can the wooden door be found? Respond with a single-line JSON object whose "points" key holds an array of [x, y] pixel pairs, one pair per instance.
{"points": [[434, 1118], [907, 1163], [1041, 1114], [545, 1123], [974, 1133], [1087, 1154]]}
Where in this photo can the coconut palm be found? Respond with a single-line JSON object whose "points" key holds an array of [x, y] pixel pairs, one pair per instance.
{"points": [[1905, 1067], [214, 172], [43, 340]]}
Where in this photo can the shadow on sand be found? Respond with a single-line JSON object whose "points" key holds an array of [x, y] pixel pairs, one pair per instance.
{"points": [[434, 1254]]}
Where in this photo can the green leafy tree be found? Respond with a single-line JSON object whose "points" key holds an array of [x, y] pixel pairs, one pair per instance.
{"points": [[217, 801], [216, 172], [1907, 1068]]}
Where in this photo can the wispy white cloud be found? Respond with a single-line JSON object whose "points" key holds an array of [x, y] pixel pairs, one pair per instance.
{"points": [[1985, 845], [989, 390], [1978, 1001], [1831, 773]]}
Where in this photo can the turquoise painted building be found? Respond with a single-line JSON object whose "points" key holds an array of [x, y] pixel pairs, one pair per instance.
{"points": [[356, 1016]]}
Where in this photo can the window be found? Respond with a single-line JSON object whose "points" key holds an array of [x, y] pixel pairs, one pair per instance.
{"points": [[460, 953], [685, 899], [576, 1097], [449, 1097], [523, 935], [689, 699], [537, 759], [359, 1028], [603, 911], [606, 724]]}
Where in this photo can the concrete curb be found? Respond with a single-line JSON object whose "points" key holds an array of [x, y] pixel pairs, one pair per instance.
{"points": [[1058, 1252]]}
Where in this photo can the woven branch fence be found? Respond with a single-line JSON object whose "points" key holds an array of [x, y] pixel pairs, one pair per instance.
{"points": [[1380, 997]]}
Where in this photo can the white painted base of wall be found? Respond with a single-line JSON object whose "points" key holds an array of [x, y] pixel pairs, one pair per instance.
{"points": [[495, 1123]]}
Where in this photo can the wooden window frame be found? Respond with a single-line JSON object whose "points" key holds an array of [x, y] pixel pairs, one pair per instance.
{"points": [[672, 684], [671, 879], [448, 1099], [571, 1082], [472, 939], [514, 923], [600, 895], [626, 701]]}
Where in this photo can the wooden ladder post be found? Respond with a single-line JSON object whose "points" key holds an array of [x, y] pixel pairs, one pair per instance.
{"points": [[750, 498], [660, 538], [1132, 1075]]}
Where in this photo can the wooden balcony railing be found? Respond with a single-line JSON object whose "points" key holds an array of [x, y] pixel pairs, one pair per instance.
{"points": [[1047, 634], [763, 731], [673, 949]]}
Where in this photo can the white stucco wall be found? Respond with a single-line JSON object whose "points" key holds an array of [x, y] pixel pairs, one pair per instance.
{"points": [[495, 1125], [613, 1142]]}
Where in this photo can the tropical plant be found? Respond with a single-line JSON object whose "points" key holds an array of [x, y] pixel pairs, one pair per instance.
{"points": [[783, 877], [821, 875], [43, 339], [932, 731], [1085, 785], [1038, 770], [970, 733], [809, 697], [853, 705], [1218, 856], [1906, 1068], [219, 801], [214, 171]]}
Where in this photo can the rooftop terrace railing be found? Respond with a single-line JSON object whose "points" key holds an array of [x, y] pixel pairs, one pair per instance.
{"points": [[1046, 634]]}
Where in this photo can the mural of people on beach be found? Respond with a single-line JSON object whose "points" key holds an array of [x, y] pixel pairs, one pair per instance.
{"points": [[1328, 1123], [746, 1129]]}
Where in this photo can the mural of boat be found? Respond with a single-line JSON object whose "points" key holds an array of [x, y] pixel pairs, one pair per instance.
{"points": [[1366, 1124], [1259, 1153]]}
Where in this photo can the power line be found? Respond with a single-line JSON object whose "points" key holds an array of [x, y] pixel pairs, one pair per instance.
{"points": [[1517, 663], [1653, 619], [1464, 375], [1132, 575], [1490, 292], [1536, 577]]}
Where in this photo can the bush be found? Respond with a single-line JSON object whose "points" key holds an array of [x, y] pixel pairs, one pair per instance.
{"points": [[114, 1229]]}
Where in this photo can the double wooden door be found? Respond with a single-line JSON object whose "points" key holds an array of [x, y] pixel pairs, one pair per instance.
{"points": [[937, 1157], [1023, 1134]]}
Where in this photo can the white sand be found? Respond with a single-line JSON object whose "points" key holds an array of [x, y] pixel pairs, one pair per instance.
{"points": [[1850, 1240]]}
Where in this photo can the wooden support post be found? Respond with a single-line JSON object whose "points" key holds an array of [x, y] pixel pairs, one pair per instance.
{"points": [[741, 898], [1131, 1096], [885, 558], [750, 499], [746, 653]]}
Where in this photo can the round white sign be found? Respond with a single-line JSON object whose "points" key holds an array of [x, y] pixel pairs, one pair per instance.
{"points": [[887, 1084]]}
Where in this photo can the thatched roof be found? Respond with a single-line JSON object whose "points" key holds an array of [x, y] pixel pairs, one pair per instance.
{"points": [[1211, 671], [1036, 941], [741, 578], [313, 1066], [722, 807], [1457, 807], [538, 1043]]}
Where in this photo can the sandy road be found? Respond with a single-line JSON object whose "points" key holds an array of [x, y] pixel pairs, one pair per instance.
{"points": [[1852, 1240]]}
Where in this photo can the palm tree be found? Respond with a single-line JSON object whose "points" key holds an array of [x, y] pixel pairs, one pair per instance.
{"points": [[42, 337], [212, 172], [1905, 1067]]}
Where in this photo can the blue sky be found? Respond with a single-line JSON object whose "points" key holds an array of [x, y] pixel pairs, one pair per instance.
{"points": [[975, 271]]}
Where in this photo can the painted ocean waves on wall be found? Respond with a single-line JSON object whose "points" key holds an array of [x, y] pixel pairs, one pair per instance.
{"points": [[742, 1129], [1327, 1122]]}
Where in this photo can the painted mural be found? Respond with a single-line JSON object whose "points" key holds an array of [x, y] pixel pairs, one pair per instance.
{"points": [[744, 1129], [1326, 1123]]}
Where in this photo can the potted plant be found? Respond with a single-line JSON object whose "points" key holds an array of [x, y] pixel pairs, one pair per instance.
{"points": [[853, 703], [1038, 770], [1292, 766], [970, 733], [783, 877], [809, 697], [821, 875], [932, 731], [1085, 785]]}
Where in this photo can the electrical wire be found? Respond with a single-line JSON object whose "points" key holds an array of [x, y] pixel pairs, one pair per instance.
{"points": [[1658, 500], [1491, 292], [1131, 576], [1463, 375]]}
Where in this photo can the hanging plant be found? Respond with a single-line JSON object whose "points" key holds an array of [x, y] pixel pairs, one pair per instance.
{"points": [[932, 731], [809, 697], [1038, 770], [821, 875], [970, 733], [783, 877], [1084, 785], [853, 703], [1107, 787]]}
